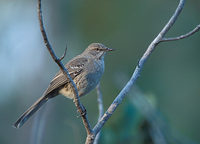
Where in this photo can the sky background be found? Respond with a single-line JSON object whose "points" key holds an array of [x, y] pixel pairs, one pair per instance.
{"points": [[170, 77]]}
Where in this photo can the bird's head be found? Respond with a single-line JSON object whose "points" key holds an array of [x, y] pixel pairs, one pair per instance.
{"points": [[97, 50]]}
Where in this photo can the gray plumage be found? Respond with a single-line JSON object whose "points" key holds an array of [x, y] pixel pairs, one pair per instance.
{"points": [[85, 69]]}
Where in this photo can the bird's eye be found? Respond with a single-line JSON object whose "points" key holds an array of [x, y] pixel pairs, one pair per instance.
{"points": [[98, 49]]}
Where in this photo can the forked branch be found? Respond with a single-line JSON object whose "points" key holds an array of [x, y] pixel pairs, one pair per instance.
{"points": [[196, 29]]}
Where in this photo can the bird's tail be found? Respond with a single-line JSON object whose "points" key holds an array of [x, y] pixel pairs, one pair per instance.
{"points": [[27, 114]]}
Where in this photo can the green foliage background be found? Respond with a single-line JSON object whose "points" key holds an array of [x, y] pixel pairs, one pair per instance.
{"points": [[171, 74]]}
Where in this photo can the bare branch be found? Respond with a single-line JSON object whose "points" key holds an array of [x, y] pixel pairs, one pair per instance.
{"points": [[100, 101], [64, 54], [196, 29], [101, 109], [137, 71], [78, 104]]}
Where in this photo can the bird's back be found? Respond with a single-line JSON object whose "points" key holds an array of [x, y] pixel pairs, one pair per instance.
{"points": [[85, 72]]}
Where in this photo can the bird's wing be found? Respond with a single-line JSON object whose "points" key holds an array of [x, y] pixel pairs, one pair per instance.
{"points": [[74, 67]]}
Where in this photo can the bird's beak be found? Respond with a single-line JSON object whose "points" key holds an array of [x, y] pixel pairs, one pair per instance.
{"points": [[108, 49]]}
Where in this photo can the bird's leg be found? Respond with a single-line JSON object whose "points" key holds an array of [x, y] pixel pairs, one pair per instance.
{"points": [[82, 112]]}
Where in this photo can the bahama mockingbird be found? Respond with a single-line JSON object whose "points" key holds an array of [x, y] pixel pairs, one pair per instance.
{"points": [[85, 69]]}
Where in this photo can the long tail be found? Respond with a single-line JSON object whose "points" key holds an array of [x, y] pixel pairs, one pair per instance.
{"points": [[27, 114]]}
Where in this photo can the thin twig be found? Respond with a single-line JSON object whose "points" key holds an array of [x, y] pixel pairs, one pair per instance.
{"points": [[78, 104], [101, 109], [136, 73], [196, 29], [100, 101], [64, 54]]}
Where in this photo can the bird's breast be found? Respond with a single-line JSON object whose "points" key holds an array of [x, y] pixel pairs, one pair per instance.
{"points": [[91, 77]]}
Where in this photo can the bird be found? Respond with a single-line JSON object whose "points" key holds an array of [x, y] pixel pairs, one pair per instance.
{"points": [[85, 70]]}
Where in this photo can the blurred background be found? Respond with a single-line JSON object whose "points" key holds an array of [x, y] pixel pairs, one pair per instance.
{"points": [[169, 82]]}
